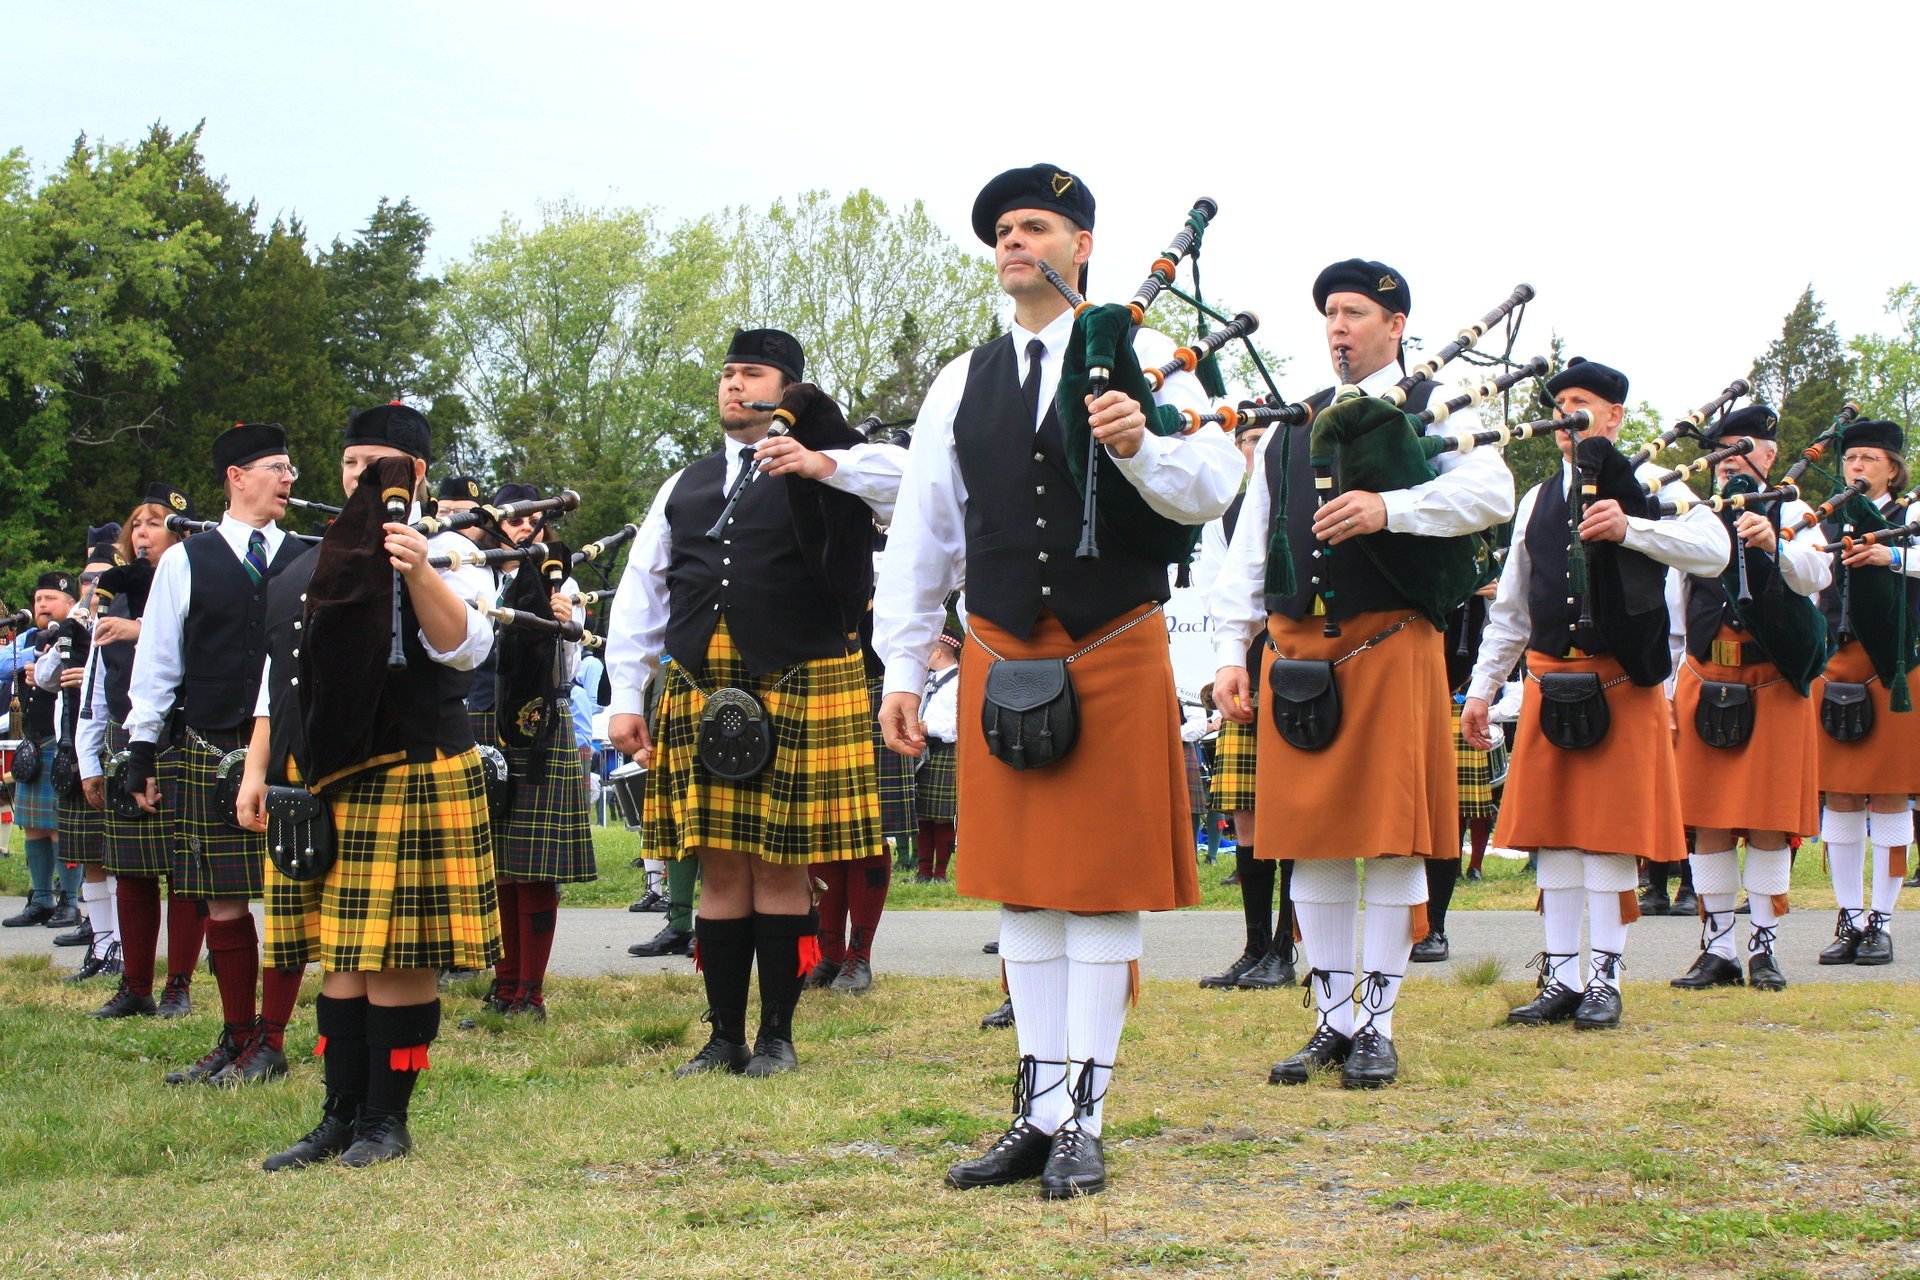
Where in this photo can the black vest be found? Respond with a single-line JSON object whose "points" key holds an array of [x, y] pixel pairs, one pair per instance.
{"points": [[1023, 514], [36, 704], [223, 643], [1231, 520], [1550, 609], [757, 576], [1708, 609], [1831, 531], [115, 666], [422, 707], [1358, 587]]}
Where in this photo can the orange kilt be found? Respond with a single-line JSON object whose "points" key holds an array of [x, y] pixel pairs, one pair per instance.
{"points": [[1767, 783], [1108, 828], [1887, 760], [1386, 784], [1620, 796]]}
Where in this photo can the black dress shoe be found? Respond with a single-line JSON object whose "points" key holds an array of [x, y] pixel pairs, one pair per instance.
{"points": [[1076, 1166], [1431, 949], [255, 1063], [1684, 903], [76, 937], [32, 913], [820, 976], [1000, 1018], [65, 915], [492, 1002], [1230, 976], [176, 999], [1876, 944], [716, 1054], [383, 1138], [771, 1057], [650, 901], [526, 1008], [855, 977], [324, 1141], [211, 1064], [1745, 908], [96, 963], [1763, 974], [1555, 1003], [1655, 904], [1599, 1008], [1232, 877], [1371, 1062], [1475, 874], [991, 949], [1709, 970], [1016, 1155], [124, 1004], [668, 942], [1326, 1050], [1275, 970], [1845, 944]]}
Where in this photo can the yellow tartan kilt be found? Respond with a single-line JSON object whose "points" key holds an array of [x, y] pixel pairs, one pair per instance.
{"points": [[818, 798], [412, 886], [1233, 760], [1474, 771]]}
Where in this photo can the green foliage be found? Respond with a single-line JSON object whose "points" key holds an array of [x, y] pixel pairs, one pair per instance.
{"points": [[1803, 374], [1886, 371], [1862, 1118]]}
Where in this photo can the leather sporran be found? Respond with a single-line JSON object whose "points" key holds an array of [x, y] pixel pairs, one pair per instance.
{"points": [[1846, 711], [1573, 709], [226, 786], [26, 761], [499, 784], [1724, 717], [1305, 696], [735, 736], [65, 770], [1031, 715], [299, 833], [119, 800]]}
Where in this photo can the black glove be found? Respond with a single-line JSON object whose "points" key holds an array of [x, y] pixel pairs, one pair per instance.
{"points": [[140, 767]]}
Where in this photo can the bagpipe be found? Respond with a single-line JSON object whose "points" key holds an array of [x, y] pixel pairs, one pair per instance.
{"points": [[1371, 443], [1788, 626], [487, 514], [1822, 442], [325, 509], [1100, 356], [1690, 426], [185, 527], [1876, 603], [18, 620]]}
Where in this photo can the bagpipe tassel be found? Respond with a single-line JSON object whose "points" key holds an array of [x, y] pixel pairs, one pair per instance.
{"points": [[1899, 698]]}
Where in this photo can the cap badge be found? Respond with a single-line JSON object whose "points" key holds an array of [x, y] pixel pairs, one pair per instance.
{"points": [[177, 500], [473, 489], [1062, 183], [1387, 284]]}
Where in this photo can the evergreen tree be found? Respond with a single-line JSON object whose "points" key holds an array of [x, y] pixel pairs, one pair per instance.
{"points": [[1803, 374]]}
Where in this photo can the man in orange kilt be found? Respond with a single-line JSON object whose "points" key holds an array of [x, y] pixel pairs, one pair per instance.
{"points": [[1078, 845], [1297, 570], [1748, 757], [1595, 715]]}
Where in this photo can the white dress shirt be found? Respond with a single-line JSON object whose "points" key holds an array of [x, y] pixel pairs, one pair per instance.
{"points": [[1472, 492], [1191, 479], [1805, 567], [940, 705], [1692, 543], [637, 625], [158, 664]]}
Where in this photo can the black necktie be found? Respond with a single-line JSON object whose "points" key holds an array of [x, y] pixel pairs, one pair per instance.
{"points": [[1031, 387]]}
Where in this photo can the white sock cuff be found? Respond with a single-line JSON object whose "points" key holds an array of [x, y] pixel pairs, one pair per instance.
{"points": [[1892, 829], [1032, 937], [1843, 828], [1329, 881], [1559, 869], [1610, 872], [1394, 882], [1113, 938], [1769, 871], [94, 891], [1716, 872]]}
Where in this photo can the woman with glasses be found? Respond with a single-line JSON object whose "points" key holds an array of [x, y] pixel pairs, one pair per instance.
{"points": [[1869, 758]]}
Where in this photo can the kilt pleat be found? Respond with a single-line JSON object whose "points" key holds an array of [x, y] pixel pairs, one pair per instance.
{"points": [[141, 846], [1234, 755], [896, 775], [936, 787], [815, 801], [412, 886], [1474, 772], [211, 857], [81, 830], [35, 807], [546, 835]]}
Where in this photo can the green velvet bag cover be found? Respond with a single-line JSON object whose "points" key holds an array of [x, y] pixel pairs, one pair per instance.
{"points": [[1788, 625], [1102, 337], [1376, 447], [1879, 607]]}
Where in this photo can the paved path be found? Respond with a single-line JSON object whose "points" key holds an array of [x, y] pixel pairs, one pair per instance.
{"points": [[1179, 945]]}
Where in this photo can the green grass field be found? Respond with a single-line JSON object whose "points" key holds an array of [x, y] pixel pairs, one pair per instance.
{"points": [[1728, 1134]]}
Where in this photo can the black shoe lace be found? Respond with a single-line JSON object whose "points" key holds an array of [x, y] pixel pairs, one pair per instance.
{"points": [[1325, 977], [1027, 1077], [1371, 994], [1082, 1092], [1367, 1040], [377, 1128], [1320, 1041], [1013, 1137], [1843, 930], [1071, 1142], [1543, 964], [1760, 941], [1606, 964], [1877, 922], [1711, 931]]}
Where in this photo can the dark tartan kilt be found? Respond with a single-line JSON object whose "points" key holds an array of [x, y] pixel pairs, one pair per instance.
{"points": [[81, 837], [546, 835], [486, 731], [35, 808], [412, 885], [898, 817], [1197, 793], [1475, 775], [936, 788], [815, 801], [1233, 761], [212, 858], [141, 846]]}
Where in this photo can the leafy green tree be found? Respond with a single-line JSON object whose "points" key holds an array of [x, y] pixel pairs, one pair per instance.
{"points": [[1803, 374], [1886, 381], [381, 340]]}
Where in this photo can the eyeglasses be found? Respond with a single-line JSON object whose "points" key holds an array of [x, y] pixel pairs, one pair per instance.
{"points": [[1861, 456], [286, 469]]}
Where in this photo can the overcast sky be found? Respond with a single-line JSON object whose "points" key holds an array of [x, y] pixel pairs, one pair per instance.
{"points": [[1667, 176]]}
